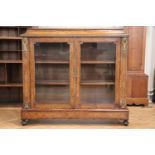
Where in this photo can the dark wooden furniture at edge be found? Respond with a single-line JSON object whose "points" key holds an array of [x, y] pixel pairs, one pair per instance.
{"points": [[74, 74], [11, 83], [137, 80]]}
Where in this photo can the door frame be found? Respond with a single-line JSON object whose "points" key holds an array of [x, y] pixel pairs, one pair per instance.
{"points": [[51, 105], [116, 103]]}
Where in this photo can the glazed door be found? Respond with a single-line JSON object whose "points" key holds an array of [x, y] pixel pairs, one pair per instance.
{"points": [[98, 81], [51, 73]]}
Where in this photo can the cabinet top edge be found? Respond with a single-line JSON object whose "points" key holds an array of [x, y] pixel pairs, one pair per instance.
{"points": [[74, 32]]}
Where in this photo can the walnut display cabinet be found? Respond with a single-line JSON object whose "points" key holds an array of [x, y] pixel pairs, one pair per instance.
{"points": [[74, 74]]}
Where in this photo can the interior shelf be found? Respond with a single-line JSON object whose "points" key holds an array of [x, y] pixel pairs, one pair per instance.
{"points": [[11, 85], [10, 61], [51, 62], [10, 38], [97, 83], [46, 82], [11, 50], [97, 62]]}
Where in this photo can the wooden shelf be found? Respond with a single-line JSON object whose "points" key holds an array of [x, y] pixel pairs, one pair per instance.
{"points": [[10, 61], [10, 38], [10, 50], [11, 85], [10, 104], [46, 82], [97, 83], [51, 62], [97, 62]]}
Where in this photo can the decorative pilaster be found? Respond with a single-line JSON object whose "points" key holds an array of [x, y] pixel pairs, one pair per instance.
{"points": [[123, 73], [26, 75]]}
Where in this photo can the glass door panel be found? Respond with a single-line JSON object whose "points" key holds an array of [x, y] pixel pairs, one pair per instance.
{"points": [[97, 82], [52, 51], [98, 73], [52, 73], [52, 94], [98, 94], [98, 51]]}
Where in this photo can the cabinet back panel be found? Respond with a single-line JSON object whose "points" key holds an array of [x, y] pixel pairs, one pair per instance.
{"points": [[10, 73], [8, 32], [11, 55], [10, 45], [2, 73], [14, 73]]}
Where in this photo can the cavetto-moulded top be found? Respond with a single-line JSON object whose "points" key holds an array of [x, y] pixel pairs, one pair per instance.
{"points": [[74, 32]]}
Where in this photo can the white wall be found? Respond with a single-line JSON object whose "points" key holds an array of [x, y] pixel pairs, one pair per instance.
{"points": [[150, 57]]}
